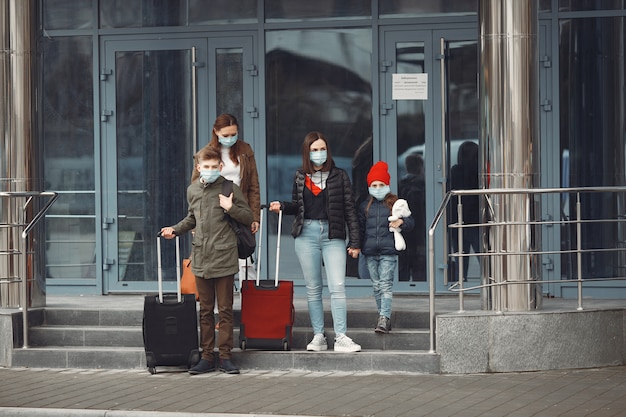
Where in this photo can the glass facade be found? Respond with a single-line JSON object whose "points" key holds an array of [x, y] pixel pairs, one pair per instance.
{"points": [[592, 141], [320, 69], [67, 125], [404, 8]]}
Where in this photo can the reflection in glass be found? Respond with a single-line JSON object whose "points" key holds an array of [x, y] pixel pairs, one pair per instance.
{"points": [[321, 9], [408, 8], [153, 146], [222, 12], [545, 5], [316, 80], [592, 139], [462, 148], [410, 145], [63, 14], [229, 83], [68, 147], [139, 13], [70, 247], [581, 5]]}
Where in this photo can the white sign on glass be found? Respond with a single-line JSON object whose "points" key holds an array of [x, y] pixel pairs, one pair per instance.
{"points": [[410, 87]]}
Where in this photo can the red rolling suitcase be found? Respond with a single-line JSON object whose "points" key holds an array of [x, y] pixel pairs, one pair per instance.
{"points": [[267, 311], [170, 323]]}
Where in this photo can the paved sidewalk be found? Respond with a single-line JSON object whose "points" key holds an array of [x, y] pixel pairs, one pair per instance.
{"points": [[110, 393]]}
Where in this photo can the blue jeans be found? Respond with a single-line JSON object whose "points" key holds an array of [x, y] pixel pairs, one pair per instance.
{"points": [[381, 269], [312, 246]]}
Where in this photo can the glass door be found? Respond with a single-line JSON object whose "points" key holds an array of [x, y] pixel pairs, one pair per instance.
{"points": [[150, 124], [429, 104], [159, 102]]}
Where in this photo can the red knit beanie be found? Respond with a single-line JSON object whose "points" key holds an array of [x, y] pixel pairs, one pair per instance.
{"points": [[379, 172]]}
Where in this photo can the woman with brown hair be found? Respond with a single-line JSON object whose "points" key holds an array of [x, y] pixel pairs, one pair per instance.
{"points": [[240, 168], [323, 205]]}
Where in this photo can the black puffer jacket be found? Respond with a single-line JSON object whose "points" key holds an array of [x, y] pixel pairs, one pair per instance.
{"points": [[376, 239], [340, 206]]}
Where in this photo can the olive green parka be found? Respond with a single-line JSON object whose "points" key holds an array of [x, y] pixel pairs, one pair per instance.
{"points": [[214, 243]]}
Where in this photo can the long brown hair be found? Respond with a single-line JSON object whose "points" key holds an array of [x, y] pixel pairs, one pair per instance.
{"points": [[307, 165], [388, 201], [222, 121]]}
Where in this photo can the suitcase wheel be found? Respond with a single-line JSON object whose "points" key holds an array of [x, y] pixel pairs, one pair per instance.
{"points": [[152, 370], [285, 345], [194, 358], [243, 345]]}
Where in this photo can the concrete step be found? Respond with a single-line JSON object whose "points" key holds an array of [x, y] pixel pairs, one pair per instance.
{"points": [[112, 339], [135, 358], [103, 317], [132, 336]]}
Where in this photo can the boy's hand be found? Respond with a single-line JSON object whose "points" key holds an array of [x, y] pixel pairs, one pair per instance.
{"points": [[167, 232], [226, 202]]}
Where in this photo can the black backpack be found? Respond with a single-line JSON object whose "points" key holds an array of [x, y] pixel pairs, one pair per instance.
{"points": [[246, 242]]}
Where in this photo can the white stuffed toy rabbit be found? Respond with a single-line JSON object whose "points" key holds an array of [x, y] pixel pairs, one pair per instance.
{"points": [[399, 210]]}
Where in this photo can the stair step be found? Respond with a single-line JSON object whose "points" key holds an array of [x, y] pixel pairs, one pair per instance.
{"points": [[89, 337], [134, 358], [95, 317], [132, 336]]}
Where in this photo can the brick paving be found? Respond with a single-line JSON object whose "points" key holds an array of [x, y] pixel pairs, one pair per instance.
{"points": [[77, 392]]}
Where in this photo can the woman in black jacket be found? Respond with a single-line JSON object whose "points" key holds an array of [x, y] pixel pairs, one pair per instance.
{"points": [[323, 203]]}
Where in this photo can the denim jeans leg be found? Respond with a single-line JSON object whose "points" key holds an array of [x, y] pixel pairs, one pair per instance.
{"points": [[334, 253], [386, 269], [372, 266], [308, 250]]}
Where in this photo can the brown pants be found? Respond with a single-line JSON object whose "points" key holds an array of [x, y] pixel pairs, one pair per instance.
{"points": [[210, 290]]}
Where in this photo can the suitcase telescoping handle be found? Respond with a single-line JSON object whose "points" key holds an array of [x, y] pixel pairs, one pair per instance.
{"points": [[258, 254], [280, 224], [160, 268], [258, 251]]}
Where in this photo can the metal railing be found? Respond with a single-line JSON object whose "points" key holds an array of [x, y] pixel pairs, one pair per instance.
{"points": [[493, 223], [15, 209]]}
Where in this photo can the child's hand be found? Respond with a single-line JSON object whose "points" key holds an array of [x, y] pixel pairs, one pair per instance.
{"points": [[226, 202], [396, 223]]}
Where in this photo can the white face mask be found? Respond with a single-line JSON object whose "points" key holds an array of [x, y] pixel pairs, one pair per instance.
{"points": [[209, 175], [318, 157], [379, 193], [227, 141]]}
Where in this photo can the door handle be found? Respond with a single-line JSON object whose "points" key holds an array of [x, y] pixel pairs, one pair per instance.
{"points": [[194, 98]]}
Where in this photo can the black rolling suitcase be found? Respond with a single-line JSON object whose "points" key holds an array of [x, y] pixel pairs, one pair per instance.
{"points": [[267, 311], [170, 323]]}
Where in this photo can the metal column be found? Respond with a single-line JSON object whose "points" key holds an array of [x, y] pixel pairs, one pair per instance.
{"points": [[18, 152], [509, 108]]}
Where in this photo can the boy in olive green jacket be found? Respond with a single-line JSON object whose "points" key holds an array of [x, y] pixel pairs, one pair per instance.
{"points": [[214, 255]]}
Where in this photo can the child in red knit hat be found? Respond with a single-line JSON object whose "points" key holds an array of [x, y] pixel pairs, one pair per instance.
{"points": [[381, 239]]}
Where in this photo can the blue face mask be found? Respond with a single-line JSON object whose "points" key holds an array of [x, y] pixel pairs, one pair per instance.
{"points": [[379, 193], [209, 175], [318, 157], [227, 141]]}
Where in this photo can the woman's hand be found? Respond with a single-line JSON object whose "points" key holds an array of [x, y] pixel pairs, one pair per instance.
{"points": [[254, 227], [168, 232], [275, 206]]}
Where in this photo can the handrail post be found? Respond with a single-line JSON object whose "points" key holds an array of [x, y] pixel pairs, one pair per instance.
{"points": [[579, 254], [460, 261], [431, 287], [21, 247], [24, 296]]}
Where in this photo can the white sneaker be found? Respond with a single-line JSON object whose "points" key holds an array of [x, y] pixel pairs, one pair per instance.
{"points": [[344, 344], [318, 343]]}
